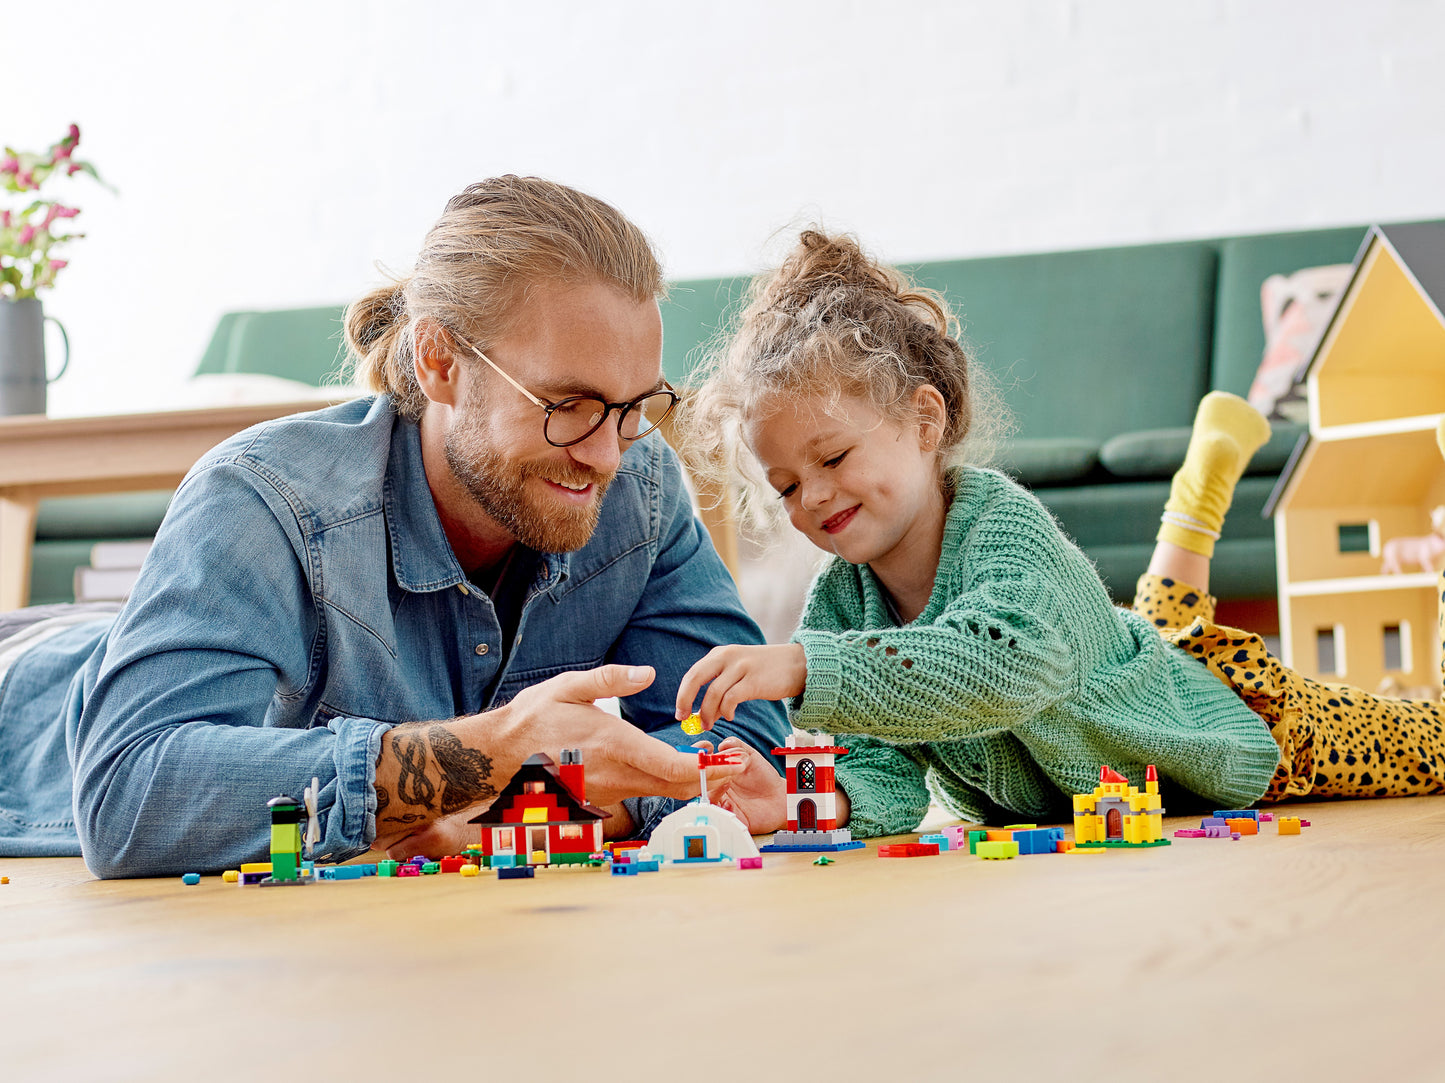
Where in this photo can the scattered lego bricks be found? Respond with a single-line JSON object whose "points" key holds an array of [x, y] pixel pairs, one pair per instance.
{"points": [[191, 879], [995, 850]]}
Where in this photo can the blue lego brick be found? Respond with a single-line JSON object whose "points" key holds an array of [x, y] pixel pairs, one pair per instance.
{"points": [[1038, 840], [366, 870], [516, 872], [941, 840], [346, 872], [625, 868], [324, 872], [1237, 814], [503, 861]]}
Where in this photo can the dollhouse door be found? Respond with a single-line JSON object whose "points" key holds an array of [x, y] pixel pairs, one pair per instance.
{"points": [[807, 816]]}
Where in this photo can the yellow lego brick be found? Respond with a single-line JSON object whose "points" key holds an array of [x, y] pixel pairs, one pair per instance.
{"points": [[230, 876], [534, 816], [539, 857], [1288, 825], [1086, 850], [256, 866], [1021, 827], [469, 870]]}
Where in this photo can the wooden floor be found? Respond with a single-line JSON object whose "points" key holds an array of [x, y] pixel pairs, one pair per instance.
{"points": [[1269, 958]]}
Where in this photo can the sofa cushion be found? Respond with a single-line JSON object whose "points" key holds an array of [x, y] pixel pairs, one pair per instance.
{"points": [[1048, 461], [1088, 344], [1157, 453], [1244, 264]]}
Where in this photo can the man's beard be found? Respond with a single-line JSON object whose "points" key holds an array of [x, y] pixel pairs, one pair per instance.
{"points": [[498, 485]]}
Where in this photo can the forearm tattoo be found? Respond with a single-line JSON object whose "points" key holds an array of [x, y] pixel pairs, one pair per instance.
{"points": [[412, 784], [464, 773]]}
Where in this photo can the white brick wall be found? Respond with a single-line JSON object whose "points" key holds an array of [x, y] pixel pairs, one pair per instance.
{"points": [[267, 154]]}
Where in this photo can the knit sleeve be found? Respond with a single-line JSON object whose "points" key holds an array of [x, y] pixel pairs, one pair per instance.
{"points": [[886, 787], [995, 655]]}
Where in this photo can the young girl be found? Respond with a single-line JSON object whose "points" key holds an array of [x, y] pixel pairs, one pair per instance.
{"points": [[959, 641]]}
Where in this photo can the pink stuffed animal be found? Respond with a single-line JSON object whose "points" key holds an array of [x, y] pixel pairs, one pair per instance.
{"points": [[1428, 553]]}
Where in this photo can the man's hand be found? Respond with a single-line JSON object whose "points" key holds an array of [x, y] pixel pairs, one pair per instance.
{"points": [[737, 673], [433, 771]]}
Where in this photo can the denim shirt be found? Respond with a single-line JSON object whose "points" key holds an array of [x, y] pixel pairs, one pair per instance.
{"points": [[300, 599]]}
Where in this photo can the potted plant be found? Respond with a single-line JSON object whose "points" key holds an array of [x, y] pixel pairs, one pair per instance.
{"points": [[30, 228]]}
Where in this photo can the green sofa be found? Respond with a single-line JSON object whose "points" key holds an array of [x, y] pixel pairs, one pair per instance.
{"points": [[1101, 355]]}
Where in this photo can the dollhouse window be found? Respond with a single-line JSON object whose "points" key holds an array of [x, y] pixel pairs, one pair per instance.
{"points": [[505, 840], [570, 831], [534, 787], [1396, 641], [1360, 538], [1330, 651]]}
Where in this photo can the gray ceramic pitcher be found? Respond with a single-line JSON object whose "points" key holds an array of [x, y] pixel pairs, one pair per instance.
{"points": [[22, 356]]}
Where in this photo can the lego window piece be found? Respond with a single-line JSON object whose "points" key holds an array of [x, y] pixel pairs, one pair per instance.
{"points": [[534, 786], [807, 776], [570, 831]]}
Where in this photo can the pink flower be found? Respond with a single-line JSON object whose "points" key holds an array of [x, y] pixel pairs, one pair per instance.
{"points": [[27, 234], [63, 151], [72, 169], [73, 136], [4, 219], [58, 264], [9, 165], [65, 212], [26, 180]]}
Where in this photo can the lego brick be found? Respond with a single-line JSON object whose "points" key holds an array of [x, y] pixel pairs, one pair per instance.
{"points": [[941, 841], [430, 868], [250, 879], [517, 872], [996, 835], [451, 864], [231, 876], [387, 868], [995, 850], [1038, 840], [1020, 827], [1063, 846], [1084, 850], [409, 870], [1212, 821], [1288, 825], [470, 870], [750, 862], [1237, 814], [346, 872], [1245, 825], [367, 869], [255, 866], [620, 868], [1266, 817], [191, 879], [909, 849], [974, 838], [1189, 833]]}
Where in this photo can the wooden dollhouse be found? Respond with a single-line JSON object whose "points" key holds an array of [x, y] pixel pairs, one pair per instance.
{"points": [[542, 817], [1368, 471]]}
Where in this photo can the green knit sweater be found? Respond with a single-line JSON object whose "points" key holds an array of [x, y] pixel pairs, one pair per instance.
{"points": [[1016, 682]]}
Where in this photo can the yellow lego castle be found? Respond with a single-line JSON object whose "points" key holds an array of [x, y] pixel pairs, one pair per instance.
{"points": [[1118, 814]]}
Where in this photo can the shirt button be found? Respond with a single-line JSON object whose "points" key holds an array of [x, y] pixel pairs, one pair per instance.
{"points": [[482, 648], [463, 588]]}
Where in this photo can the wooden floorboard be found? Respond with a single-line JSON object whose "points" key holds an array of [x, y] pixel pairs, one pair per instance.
{"points": [[1267, 958]]}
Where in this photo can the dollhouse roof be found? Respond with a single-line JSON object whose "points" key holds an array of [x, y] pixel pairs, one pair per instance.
{"points": [[1377, 378], [540, 768]]}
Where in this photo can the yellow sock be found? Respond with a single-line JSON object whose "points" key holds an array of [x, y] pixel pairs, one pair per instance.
{"points": [[1227, 433]]}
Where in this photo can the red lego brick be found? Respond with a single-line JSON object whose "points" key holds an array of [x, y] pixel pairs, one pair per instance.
{"points": [[909, 849]]}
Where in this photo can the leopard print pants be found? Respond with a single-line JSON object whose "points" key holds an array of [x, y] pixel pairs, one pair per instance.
{"points": [[1334, 740]]}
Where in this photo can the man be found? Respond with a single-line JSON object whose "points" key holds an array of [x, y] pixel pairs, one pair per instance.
{"points": [[405, 596]]}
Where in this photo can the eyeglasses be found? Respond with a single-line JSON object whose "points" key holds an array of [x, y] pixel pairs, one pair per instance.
{"points": [[576, 418]]}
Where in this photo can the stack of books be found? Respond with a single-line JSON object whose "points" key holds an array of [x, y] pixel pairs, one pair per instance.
{"points": [[112, 572]]}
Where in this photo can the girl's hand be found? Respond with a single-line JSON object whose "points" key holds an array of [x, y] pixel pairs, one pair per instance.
{"points": [[736, 674], [758, 796]]}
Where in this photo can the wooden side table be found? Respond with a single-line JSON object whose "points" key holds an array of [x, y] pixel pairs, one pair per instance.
{"points": [[42, 457]]}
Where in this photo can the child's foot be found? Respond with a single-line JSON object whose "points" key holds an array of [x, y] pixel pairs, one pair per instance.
{"points": [[1227, 433]]}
